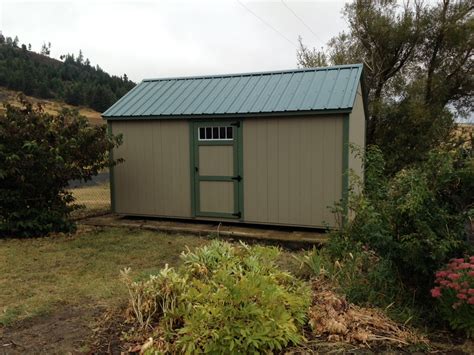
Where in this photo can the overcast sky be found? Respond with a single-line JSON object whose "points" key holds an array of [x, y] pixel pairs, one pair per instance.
{"points": [[172, 38]]}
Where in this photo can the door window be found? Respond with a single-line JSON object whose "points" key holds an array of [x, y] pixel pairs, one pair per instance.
{"points": [[220, 133]]}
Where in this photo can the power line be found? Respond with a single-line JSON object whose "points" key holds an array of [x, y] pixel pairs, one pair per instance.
{"points": [[302, 21], [267, 24]]}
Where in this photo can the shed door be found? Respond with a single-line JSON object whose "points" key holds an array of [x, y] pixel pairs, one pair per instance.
{"points": [[217, 169]]}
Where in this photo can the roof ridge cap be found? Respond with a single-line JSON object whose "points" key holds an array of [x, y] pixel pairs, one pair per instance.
{"points": [[261, 73]]}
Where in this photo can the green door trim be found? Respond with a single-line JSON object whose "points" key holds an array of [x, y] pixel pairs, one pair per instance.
{"points": [[238, 169]]}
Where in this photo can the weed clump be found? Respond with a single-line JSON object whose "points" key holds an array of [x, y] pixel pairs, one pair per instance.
{"points": [[224, 299]]}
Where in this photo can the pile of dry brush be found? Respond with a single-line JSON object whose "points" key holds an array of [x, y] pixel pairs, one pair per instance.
{"points": [[334, 319]]}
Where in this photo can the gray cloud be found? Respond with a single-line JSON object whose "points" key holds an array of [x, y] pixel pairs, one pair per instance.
{"points": [[173, 38]]}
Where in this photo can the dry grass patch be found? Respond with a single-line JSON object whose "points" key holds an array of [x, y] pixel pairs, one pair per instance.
{"points": [[95, 199], [49, 106], [82, 269]]}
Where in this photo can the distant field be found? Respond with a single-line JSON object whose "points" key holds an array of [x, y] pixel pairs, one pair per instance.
{"points": [[95, 199], [50, 106]]}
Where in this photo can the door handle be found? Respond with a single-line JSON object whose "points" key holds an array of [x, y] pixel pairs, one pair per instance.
{"points": [[238, 178]]}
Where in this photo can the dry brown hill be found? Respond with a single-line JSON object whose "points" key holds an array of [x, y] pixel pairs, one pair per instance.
{"points": [[50, 106]]}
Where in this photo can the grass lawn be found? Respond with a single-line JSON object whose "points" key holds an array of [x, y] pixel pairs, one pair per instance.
{"points": [[53, 290], [41, 274], [83, 269]]}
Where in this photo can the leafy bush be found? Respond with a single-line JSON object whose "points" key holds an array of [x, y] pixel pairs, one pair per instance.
{"points": [[39, 154], [233, 300], [414, 220], [455, 292]]}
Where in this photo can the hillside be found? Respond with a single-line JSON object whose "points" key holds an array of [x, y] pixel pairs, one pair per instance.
{"points": [[50, 106], [73, 79]]}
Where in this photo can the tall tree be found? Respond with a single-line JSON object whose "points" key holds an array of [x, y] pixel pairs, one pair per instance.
{"points": [[418, 68], [310, 57], [46, 49]]}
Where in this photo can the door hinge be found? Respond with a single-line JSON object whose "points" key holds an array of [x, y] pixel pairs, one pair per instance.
{"points": [[238, 178], [238, 214], [236, 124]]}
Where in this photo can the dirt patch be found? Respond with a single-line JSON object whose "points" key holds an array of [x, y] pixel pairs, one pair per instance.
{"points": [[67, 330], [108, 330]]}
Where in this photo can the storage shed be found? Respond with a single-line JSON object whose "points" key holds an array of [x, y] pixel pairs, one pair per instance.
{"points": [[265, 148]]}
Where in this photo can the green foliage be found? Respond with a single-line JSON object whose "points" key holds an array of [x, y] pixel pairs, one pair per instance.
{"points": [[415, 221], [455, 293], [39, 155], [232, 300], [74, 80]]}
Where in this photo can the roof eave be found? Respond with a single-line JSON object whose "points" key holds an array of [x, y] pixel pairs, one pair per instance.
{"points": [[229, 115]]}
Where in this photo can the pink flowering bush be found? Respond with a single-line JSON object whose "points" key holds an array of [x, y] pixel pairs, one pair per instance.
{"points": [[455, 292]]}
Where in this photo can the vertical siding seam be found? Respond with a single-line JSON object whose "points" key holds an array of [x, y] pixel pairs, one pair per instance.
{"points": [[164, 193], [267, 175], [345, 166], [300, 172], [153, 130], [278, 168]]}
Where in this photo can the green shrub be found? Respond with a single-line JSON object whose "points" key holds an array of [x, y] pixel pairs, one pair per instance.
{"points": [[413, 221], [234, 300], [455, 293], [39, 155]]}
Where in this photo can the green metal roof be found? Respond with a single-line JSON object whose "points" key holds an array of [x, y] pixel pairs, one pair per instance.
{"points": [[310, 90]]}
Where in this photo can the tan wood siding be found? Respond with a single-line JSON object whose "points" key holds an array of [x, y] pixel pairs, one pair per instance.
{"points": [[216, 196], [292, 169], [217, 160], [357, 133], [155, 177]]}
